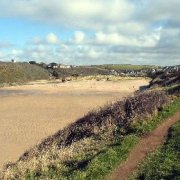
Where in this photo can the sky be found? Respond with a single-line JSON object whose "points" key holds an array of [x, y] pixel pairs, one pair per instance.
{"points": [[84, 32]]}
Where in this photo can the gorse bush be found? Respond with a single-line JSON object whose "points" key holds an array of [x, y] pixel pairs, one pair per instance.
{"points": [[21, 72]]}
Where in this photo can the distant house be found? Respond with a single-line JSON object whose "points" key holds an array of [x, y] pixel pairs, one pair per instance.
{"points": [[64, 66], [52, 65]]}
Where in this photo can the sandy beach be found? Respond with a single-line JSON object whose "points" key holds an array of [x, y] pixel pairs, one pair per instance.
{"points": [[29, 113]]}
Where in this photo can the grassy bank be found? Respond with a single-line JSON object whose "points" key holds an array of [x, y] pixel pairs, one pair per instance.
{"points": [[21, 72], [164, 162], [105, 162]]}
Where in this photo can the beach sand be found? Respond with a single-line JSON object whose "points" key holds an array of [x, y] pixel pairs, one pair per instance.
{"points": [[29, 113]]}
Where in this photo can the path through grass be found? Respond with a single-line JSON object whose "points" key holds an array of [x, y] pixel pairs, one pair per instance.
{"points": [[164, 162]]}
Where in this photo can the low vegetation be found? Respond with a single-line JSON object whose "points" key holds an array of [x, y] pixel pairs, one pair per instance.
{"points": [[103, 78], [164, 79], [11, 73], [141, 128], [164, 162]]}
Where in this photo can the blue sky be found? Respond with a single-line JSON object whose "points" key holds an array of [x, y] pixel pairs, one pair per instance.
{"points": [[91, 31]]}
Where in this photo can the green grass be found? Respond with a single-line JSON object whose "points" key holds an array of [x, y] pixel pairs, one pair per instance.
{"points": [[108, 157], [164, 162], [128, 67], [106, 161], [92, 167]]}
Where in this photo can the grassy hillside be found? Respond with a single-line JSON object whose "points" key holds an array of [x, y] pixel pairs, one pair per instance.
{"points": [[79, 71], [163, 163], [128, 67], [21, 72], [95, 70]]}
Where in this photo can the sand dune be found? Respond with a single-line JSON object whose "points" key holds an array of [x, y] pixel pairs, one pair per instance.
{"points": [[31, 112]]}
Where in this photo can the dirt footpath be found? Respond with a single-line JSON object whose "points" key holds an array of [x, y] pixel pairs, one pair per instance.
{"points": [[146, 145], [32, 112]]}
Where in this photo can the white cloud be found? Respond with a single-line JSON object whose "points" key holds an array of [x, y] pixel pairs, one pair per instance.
{"points": [[86, 14], [121, 30], [16, 52], [79, 37], [52, 38], [94, 54], [2, 55], [5, 44], [150, 40], [158, 10]]}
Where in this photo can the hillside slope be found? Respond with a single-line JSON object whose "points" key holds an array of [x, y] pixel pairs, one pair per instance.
{"points": [[21, 72]]}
